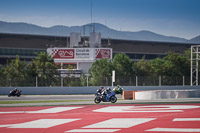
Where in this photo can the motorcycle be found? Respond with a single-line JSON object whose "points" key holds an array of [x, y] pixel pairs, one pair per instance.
{"points": [[110, 97], [118, 90], [13, 93]]}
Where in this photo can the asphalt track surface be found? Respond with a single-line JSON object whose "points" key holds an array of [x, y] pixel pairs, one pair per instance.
{"points": [[112, 118], [81, 100], [48, 97], [125, 116]]}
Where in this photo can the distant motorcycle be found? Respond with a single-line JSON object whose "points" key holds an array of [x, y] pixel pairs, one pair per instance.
{"points": [[15, 93], [118, 90], [110, 97]]}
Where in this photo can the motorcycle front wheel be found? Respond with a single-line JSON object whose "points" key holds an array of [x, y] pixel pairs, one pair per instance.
{"points": [[97, 100], [113, 99]]}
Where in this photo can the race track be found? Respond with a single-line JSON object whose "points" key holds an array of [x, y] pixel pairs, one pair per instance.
{"points": [[113, 118], [48, 97], [81, 100]]}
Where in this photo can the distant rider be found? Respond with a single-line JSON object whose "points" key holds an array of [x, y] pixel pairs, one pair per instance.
{"points": [[15, 91], [118, 90]]}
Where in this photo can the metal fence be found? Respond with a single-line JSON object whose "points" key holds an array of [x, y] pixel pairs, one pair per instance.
{"points": [[87, 81]]}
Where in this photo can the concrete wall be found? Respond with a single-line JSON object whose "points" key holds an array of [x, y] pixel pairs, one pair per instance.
{"points": [[50, 90], [86, 90], [143, 88], [167, 94]]}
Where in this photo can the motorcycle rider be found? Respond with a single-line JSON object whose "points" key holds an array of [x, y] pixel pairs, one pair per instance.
{"points": [[15, 91], [101, 90], [118, 90], [106, 92]]}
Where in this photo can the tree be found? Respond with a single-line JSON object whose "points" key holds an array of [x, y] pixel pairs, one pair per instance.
{"points": [[43, 67], [176, 64], [15, 72], [142, 68], [122, 65], [101, 72], [3, 76], [157, 67], [83, 79]]}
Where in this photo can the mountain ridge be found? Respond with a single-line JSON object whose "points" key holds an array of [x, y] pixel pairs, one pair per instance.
{"points": [[106, 32]]}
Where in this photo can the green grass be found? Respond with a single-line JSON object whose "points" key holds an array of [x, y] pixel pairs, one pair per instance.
{"points": [[17, 102]]}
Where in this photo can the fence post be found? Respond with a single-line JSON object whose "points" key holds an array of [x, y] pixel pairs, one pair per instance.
{"points": [[160, 83], [36, 81], [136, 80], [183, 80], [61, 81], [87, 80]]}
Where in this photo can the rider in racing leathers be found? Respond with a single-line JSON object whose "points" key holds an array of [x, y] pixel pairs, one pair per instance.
{"points": [[118, 90], [106, 92]]}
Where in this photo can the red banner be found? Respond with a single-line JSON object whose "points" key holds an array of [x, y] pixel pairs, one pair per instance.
{"points": [[103, 53], [63, 53]]}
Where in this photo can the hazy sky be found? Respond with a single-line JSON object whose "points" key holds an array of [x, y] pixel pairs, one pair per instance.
{"points": [[179, 18]]}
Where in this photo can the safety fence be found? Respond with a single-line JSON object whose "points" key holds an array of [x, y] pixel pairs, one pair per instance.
{"points": [[87, 81]]}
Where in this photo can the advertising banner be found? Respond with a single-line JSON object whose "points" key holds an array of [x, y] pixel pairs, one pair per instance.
{"points": [[80, 53], [62, 53], [103, 53]]}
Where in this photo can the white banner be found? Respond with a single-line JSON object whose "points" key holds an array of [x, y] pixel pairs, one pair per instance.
{"points": [[84, 53]]}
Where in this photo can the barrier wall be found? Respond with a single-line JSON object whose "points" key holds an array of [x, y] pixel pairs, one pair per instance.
{"points": [[166, 94], [50, 90]]}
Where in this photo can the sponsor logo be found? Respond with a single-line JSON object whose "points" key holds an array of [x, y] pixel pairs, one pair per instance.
{"points": [[103, 53], [64, 53]]}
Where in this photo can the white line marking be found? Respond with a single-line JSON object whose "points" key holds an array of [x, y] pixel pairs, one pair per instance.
{"points": [[5, 125], [131, 109], [41, 123], [54, 110], [13, 112], [120, 123], [186, 119], [50, 110], [150, 108], [175, 129], [93, 130]]}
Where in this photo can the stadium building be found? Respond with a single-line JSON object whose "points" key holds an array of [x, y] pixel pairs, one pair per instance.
{"points": [[84, 49]]}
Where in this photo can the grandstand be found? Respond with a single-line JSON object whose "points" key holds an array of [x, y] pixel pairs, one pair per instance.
{"points": [[26, 46]]}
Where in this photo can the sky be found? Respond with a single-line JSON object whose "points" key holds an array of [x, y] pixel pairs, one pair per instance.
{"points": [[180, 18]]}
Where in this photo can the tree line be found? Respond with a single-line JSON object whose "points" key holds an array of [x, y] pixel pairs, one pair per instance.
{"points": [[172, 65], [20, 73]]}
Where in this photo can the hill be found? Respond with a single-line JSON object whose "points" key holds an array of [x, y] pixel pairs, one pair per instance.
{"points": [[58, 30]]}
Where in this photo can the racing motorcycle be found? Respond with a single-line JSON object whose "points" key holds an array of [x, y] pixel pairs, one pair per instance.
{"points": [[14, 93], [118, 90], [110, 97]]}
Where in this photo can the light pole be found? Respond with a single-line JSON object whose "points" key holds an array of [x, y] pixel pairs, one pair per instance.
{"points": [[113, 77]]}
